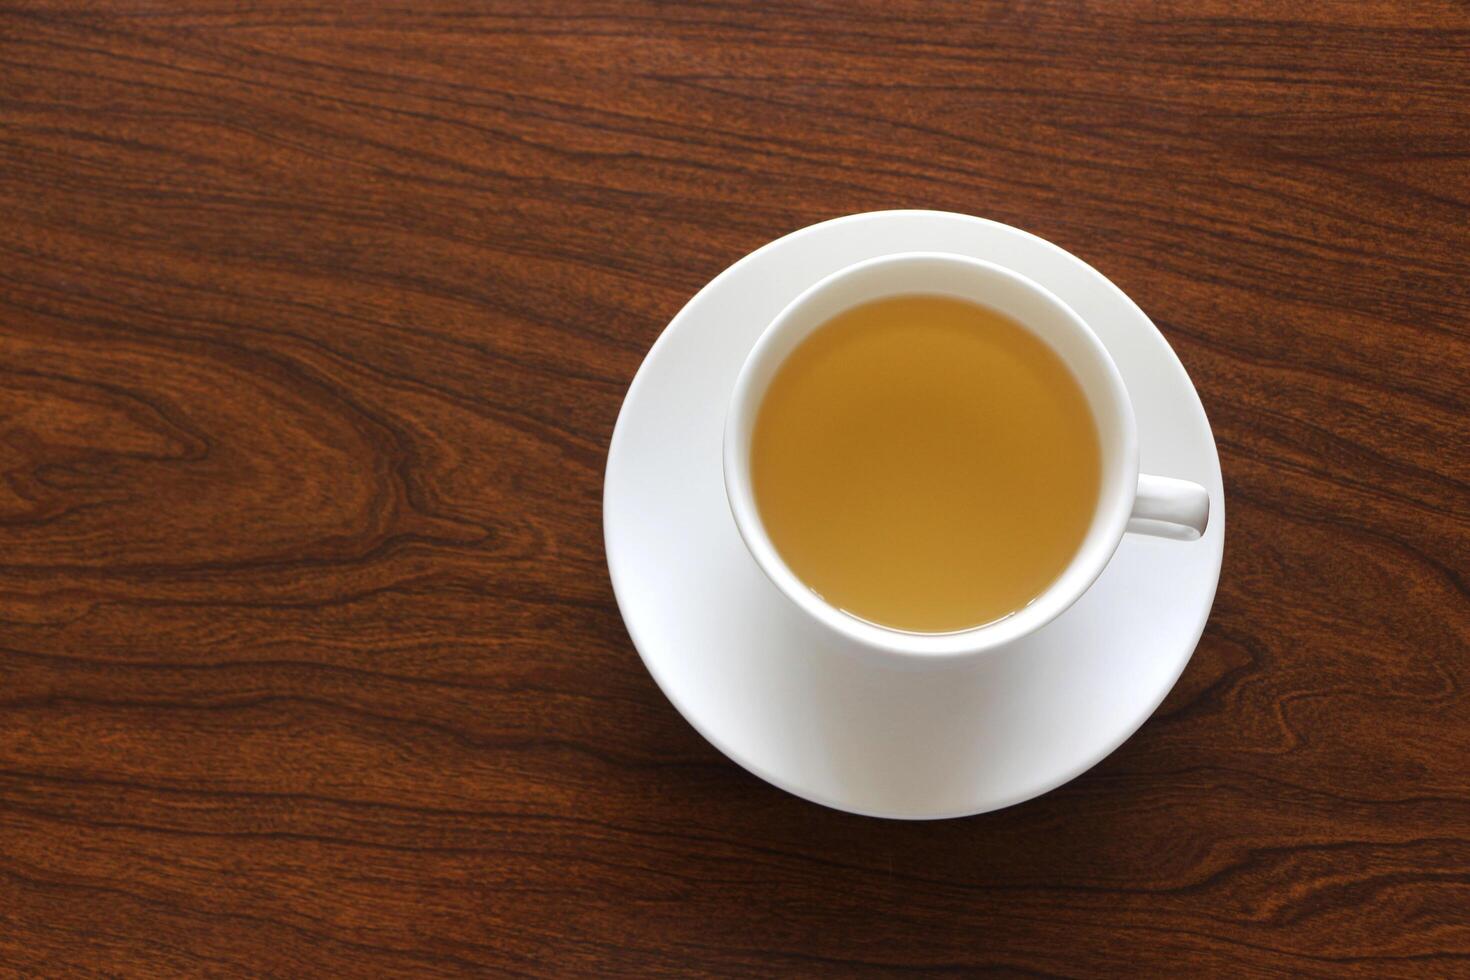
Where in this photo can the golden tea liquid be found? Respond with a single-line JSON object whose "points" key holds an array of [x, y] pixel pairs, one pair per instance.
{"points": [[925, 463]]}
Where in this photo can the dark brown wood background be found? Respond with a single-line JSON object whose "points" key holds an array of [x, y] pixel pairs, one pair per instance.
{"points": [[314, 325]]}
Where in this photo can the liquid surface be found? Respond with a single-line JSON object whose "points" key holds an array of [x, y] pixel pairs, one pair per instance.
{"points": [[925, 464]]}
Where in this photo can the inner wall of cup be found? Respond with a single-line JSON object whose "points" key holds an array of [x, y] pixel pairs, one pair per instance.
{"points": [[958, 278]]}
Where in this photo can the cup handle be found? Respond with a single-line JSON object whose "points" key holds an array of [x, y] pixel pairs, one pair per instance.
{"points": [[1170, 508]]}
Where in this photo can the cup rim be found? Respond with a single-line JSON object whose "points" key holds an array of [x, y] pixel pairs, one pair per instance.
{"points": [[1099, 544]]}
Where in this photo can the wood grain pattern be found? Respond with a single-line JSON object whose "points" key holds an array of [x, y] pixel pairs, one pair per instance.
{"points": [[314, 324]]}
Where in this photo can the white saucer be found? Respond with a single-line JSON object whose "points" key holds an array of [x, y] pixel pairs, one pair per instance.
{"points": [[785, 700]]}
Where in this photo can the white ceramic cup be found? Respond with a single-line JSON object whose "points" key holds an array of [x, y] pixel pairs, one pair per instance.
{"points": [[1128, 501]]}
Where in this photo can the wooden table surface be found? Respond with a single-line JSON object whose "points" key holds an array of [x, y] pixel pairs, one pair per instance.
{"points": [[314, 325]]}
